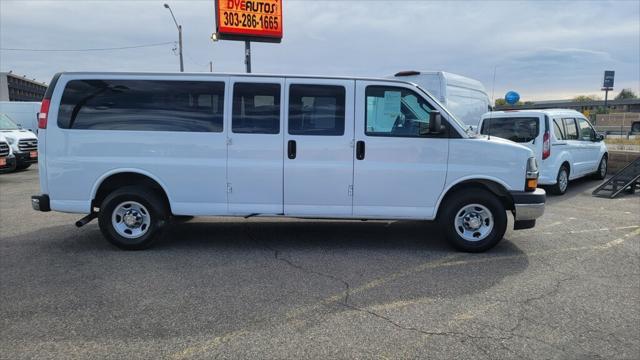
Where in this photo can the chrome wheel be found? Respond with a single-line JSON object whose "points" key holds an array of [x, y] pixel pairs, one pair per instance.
{"points": [[563, 180], [603, 167], [474, 222], [131, 219]]}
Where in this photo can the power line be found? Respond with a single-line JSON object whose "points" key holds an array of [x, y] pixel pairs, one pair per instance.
{"points": [[89, 49]]}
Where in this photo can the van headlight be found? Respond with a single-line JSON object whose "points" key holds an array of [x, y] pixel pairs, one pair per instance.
{"points": [[531, 181]]}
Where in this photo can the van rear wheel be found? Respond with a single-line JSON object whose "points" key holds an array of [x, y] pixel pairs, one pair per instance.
{"points": [[132, 217], [562, 181], [473, 220], [601, 173]]}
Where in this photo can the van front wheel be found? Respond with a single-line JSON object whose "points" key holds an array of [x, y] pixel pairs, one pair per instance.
{"points": [[132, 217], [474, 220]]}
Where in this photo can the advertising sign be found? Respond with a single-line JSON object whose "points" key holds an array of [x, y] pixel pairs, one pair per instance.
{"points": [[249, 20], [608, 78]]}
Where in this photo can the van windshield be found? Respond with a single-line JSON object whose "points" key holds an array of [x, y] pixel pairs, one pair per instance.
{"points": [[517, 129], [6, 123]]}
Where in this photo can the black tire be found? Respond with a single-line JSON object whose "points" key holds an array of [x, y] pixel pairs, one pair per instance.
{"points": [[155, 207], [461, 199], [635, 127], [22, 166], [601, 173], [559, 188]]}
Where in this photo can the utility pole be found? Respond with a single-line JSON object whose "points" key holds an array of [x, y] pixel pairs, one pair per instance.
{"points": [[247, 55], [179, 37]]}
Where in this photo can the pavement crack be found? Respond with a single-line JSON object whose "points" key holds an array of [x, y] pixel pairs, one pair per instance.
{"points": [[277, 255]]}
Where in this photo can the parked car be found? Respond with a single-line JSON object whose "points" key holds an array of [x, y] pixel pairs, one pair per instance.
{"points": [[464, 97], [24, 143], [7, 159], [136, 149], [565, 144]]}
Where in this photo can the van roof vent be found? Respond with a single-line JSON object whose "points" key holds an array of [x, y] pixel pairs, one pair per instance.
{"points": [[407, 73]]}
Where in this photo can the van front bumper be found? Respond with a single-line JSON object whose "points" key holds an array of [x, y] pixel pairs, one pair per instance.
{"points": [[10, 164], [24, 158], [527, 207]]}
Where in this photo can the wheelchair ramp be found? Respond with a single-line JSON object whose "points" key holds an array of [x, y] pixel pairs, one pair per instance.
{"points": [[628, 178]]}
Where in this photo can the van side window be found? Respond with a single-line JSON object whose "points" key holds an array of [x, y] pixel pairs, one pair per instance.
{"points": [[586, 132], [316, 110], [570, 127], [256, 108], [395, 111], [558, 130], [144, 105]]}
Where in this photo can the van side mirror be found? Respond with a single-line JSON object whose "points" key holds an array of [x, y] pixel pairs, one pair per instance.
{"points": [[599, 137], [19, 126], [435, 122]]}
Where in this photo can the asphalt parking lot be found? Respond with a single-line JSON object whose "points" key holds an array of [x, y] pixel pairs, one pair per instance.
{"points": [[271, 288]]}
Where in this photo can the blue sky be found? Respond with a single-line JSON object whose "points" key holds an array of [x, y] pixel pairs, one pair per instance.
{"points": [[542, 49]]}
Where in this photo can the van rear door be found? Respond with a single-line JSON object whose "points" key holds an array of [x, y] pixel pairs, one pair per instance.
{"points": [[526, 130], [318, 154]]}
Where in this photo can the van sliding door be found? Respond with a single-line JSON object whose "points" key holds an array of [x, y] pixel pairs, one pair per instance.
{"points": [[255, 150], [318, 147]]}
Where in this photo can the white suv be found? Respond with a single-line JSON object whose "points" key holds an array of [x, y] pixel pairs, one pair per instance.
{"points": [[136, 150], [563, 141]]}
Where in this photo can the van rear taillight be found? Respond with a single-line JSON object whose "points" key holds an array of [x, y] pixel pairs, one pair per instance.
{"points": [[43, 114], [546, 146]]}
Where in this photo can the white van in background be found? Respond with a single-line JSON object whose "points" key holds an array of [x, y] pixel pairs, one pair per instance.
{"points": [[23, 113], [466, 98], [24, 143], [136, 149], [563, 141], [7, 159]]}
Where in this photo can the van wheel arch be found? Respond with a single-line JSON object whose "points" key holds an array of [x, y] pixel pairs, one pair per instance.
{"points": [[495, 188], [121, 179]]}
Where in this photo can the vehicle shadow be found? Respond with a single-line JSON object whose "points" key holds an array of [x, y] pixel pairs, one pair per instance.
{"points": [[285, 264]]}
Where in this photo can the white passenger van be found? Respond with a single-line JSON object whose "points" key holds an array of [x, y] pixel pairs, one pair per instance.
{"points": [[565, 144], [136, 150], [464, 97]]}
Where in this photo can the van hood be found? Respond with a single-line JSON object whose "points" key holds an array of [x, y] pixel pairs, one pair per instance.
{"points": [[504, 143], [18, 134]]}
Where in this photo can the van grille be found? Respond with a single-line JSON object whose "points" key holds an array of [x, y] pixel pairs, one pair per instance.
{"points": [[4, 149], [28, 144]]}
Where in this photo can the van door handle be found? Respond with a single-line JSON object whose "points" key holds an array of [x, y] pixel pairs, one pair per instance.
{"points": [[360, 150], [291, 149]]}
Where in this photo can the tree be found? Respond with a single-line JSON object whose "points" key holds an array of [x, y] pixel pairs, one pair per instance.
{"points": [[501, 102], [585, 98], [626, 94]]}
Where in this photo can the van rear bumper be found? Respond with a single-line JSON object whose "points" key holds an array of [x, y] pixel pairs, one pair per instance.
{"points": [[527, 207], [40, 202]]}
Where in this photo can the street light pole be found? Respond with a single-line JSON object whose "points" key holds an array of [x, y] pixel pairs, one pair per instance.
{"points": [[179, 37]]}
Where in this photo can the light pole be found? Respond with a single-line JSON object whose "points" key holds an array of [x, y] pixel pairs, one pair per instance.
{"points": [[179, 37]]}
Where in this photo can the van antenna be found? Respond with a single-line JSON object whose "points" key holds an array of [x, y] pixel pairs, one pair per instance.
{"points": [[493, 101]]}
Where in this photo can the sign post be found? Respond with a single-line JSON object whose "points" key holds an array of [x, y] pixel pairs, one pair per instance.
{"points": [[249, 20], [607, 85]]}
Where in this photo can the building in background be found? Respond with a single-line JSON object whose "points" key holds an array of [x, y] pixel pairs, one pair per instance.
{"points": [[19, 88]]}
